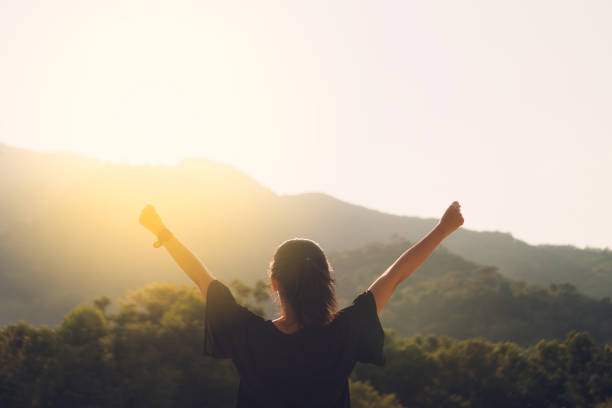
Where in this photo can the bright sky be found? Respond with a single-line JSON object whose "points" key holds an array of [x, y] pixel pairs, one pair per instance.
{"points": [[400, 106]]}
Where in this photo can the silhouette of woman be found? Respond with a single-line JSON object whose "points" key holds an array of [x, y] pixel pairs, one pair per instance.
{"points": [[304, 357]]}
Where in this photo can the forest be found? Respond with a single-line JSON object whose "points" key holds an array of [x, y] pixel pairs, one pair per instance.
{"points": [[67, 210], [449, 295], [487, 320], [149, 354], [351, 124]]}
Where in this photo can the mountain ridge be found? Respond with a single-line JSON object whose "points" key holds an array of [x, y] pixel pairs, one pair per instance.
{"points": [[81, 239]]}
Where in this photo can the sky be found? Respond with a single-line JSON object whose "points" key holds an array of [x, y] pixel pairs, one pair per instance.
{"points": [[399, 106]]}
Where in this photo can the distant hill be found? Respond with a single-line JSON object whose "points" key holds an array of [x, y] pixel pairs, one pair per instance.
{"points": [[30, 181], [69, 231], [449, 295]]}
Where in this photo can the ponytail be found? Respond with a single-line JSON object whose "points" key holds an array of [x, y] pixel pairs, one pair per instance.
{"points": [[305, 281]]}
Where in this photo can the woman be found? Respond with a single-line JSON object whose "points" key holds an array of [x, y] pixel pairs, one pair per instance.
{"points": [[304, 357]]}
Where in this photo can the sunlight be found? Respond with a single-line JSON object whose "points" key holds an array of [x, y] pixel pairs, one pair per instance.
{"points": [[306, 162], [142, 85]]}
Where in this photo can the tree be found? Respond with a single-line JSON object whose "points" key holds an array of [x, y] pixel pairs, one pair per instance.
{"points": [[363, 395], [102, 303]]}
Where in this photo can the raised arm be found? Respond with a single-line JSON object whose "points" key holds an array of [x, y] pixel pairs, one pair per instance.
{"points": [[384, 286], [186, 260]]}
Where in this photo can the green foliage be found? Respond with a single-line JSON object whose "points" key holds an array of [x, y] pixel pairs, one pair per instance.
{"points": [[83, 325], [149, 354], [26, 356], [235, 223], [102, 303], [587, 269], [254, 298], [443, 372], [449, 295], [363, 395]]}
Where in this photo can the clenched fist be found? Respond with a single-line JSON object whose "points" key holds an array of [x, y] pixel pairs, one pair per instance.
{"points": [[452, 219], [150, 219]]}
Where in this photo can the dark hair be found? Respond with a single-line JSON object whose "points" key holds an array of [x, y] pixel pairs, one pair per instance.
{"points": [[305, 281]]}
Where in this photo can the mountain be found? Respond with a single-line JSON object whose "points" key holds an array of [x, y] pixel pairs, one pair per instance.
{"points": [[450, 295], [31, 181], [69, 231]]}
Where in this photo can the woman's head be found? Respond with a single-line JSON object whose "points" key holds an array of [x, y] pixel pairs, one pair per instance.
{"points": [[305, 282]]}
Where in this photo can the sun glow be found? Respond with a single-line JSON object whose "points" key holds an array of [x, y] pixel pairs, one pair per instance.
{"points": [[346, 98], [144, 84], [139, 88]]}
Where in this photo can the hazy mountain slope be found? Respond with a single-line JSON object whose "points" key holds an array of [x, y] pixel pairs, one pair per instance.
{"points": [[590, 270], [30, 181], [449, 295], [79, 238], [90, 243]]}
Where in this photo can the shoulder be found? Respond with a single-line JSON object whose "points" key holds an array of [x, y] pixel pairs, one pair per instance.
{"points": [[365, 329], [363, 303], [217, 288], [221, 304], [360, 314], [365, 299], [217, 291], [366, 335], [227, 325]]}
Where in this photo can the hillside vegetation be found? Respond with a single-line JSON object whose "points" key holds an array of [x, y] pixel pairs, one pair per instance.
{"points": [[69, 232], [449, 295], [149, 354]]}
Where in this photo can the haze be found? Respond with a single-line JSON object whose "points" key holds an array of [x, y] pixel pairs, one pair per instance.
{"points": [[398, 106]]}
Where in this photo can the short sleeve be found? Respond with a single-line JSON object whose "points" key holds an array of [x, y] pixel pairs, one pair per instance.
{"points": [[224, 322], [366, 333]]}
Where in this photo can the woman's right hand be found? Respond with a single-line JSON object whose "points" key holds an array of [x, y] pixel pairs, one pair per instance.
{"points": [[150, 219], [452, 219]]}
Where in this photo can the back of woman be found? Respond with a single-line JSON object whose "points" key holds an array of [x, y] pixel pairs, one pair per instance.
{"points": [[304, 357], [308, 368]]}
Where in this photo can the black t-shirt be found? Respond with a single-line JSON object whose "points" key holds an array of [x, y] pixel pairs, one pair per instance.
{"points": [[308, 368]]}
